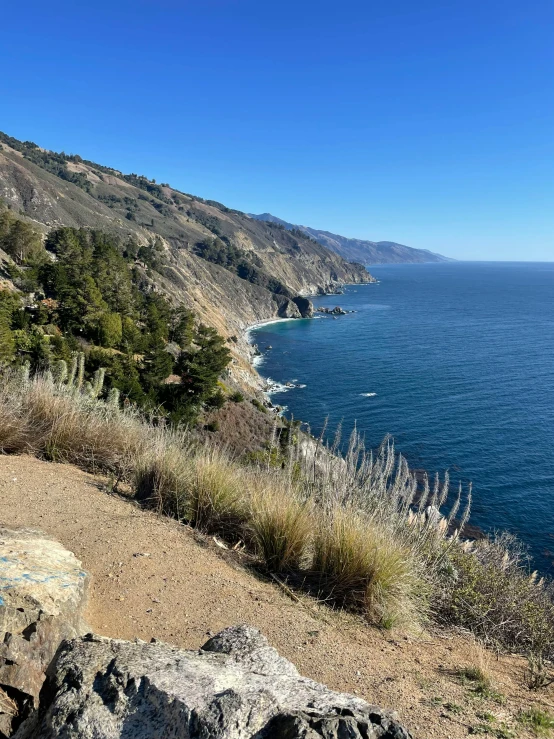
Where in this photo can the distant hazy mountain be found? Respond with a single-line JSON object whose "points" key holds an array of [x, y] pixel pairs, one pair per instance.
{"points": [[358, 250]]}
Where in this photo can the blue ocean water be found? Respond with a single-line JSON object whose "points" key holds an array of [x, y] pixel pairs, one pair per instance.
{"points": [[456, 361]]}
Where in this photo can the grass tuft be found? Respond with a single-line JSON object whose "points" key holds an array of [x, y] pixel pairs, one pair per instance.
{"points": [[282, 528], [360, 567], [217, 501]]}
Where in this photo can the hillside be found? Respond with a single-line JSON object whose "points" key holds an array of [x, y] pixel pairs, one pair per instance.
{"points": [[230, 269], [359, 250], [152, 577]]}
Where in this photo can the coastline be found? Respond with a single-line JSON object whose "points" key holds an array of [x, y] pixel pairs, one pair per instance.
{"points": [[268, 386], [252, 327]]}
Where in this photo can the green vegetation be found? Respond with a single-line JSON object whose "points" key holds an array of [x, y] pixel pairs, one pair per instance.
{"points": [[241, 263], [539, 721], [490, 590], [259, 406], [48, 160], [18, 238], [82, 292]]}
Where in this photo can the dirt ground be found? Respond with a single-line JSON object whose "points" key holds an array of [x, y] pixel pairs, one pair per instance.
{"points": [[152, 577]]}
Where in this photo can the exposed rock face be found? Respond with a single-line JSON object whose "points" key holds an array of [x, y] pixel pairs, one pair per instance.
{"points": [[237, 687], [42, 599], [289, 310], [305, 307]]}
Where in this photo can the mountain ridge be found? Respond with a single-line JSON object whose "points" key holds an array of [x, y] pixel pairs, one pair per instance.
{"points": [[359, 250]]}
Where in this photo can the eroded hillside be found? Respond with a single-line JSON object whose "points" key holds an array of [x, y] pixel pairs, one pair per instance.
{"points": [[231, 269]]}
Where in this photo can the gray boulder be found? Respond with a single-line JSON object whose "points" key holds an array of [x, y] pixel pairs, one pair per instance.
{"points": [[42, 600], [236, 687]]}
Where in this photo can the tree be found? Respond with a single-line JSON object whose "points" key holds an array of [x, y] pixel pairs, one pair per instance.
{"points": [[7, 341], [21, 241], [131, 336], [202, 365], [182, 327], [110, 330], [157, 364]]}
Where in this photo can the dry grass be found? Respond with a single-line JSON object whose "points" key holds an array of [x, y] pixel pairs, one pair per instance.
{"points": [[360, 525], [361, 567], [162, 478], [217, 497], [282, 526], [60, 424]]}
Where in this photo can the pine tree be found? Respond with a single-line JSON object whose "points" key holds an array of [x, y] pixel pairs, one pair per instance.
{"points": [[7, 342]]}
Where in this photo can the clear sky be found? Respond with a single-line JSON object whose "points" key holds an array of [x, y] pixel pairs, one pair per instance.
{"points": [[428, 122]]}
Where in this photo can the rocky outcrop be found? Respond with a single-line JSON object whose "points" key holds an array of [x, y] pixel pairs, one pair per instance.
{"points": [[336, 311], [237, 686], [305, 307], [42, 599], [289, 309]]}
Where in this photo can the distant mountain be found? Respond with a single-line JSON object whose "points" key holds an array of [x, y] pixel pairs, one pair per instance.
{"points": [[359, 250]]}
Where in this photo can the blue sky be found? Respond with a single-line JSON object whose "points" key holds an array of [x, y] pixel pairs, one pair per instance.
{"points": [[430, 123]]}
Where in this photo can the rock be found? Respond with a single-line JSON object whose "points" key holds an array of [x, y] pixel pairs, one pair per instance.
{"points": [[305, 306], [237, 686], [42, 599], [336, 311], [288, 309]]}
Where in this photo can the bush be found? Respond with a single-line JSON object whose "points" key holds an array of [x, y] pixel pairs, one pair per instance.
{"points": [[491, 591], [236, 397], [259, 406]]}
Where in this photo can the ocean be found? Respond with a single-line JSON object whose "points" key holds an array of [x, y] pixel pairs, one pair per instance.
{"points": [[456, 362]]}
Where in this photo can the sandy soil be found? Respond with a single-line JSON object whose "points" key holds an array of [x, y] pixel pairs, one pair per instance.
{"points": [[153, 577]]}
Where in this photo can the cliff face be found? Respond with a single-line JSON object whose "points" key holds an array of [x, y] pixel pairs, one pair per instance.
{"points": [[54, 190]]}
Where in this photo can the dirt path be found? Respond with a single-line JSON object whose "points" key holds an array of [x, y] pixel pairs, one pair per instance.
{"points": [[186, 589]]}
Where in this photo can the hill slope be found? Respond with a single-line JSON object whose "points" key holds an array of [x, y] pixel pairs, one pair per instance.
{"points": [[230, 269], [358, 250], [185, 587]]}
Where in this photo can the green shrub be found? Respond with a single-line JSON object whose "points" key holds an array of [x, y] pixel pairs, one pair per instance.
{"points": [[539, 721], [490, 591], [259, 406]]}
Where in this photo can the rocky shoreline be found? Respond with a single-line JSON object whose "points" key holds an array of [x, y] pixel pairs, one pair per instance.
{"points": [[266, 385]]}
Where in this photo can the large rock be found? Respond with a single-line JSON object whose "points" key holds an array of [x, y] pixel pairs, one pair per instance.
{"points": [[237, 686], [288, 309], [42, 600], [305, 306]]}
